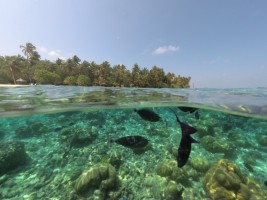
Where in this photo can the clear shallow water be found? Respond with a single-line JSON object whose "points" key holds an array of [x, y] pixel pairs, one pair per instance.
{"points": [[66, 130], [49, 99]]}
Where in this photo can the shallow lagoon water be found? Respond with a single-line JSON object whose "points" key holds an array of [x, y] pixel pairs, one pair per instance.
{"points": [[66, 131]]}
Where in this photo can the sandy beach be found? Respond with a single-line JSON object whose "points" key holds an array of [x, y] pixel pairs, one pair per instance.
{"points": [[13, 85]]}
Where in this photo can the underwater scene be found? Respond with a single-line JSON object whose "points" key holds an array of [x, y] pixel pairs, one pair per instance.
{"points": [[88, 143]]}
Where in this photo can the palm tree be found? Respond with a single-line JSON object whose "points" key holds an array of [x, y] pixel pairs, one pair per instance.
{"points": [[32, 56], [27, 50]]}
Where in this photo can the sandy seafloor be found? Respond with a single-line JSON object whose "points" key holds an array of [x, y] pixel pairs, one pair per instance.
{"points": [[72, 156], [52, 167]]}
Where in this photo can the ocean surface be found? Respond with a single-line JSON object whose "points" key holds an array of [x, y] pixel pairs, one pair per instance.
{"points": [[61, 143]]}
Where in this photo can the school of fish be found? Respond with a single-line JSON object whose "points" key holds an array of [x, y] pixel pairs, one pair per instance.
{"points": [[184, 148]]}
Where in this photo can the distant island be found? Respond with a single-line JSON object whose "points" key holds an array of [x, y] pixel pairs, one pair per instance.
{"points": [[32, 70]]}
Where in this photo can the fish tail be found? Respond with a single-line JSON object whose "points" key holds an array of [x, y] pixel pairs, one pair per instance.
{"points": [[178, 120]]}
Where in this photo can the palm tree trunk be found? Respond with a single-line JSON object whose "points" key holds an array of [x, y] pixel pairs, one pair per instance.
{"points": [[13, 75]]}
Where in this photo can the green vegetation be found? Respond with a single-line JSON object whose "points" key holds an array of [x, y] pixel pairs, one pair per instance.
{"points": [[74, 72]]}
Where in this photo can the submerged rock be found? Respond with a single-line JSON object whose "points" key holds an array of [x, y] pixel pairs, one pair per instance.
{"points": [[12, 155], [225, 181], [101, 177]]}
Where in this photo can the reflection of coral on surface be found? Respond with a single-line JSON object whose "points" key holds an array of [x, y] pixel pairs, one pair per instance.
{"points": [[225, 181]]}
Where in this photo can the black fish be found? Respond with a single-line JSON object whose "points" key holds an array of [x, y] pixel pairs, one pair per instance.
{"points": [[185, 143], [190, 110], [148, 115], [135, 141], [265, 183], [187, 109]]}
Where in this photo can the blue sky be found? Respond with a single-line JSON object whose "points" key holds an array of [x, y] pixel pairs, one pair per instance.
{"points": [[216, 43]]}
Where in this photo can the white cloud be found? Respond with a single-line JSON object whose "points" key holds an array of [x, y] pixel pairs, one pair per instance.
{"points": [[56, 54], [52, 54], [165, 49]]}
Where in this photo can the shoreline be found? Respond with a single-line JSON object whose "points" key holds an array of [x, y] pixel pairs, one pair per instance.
{"points": [[13, 85]]}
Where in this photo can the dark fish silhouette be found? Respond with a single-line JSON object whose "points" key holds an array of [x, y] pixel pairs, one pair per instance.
{"points": [[148, 115], [185, 143], [190, 110], [265, 183], [135, 141], [187, 109]]}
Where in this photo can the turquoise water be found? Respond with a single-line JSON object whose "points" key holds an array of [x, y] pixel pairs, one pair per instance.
{"points": [[57, 143]]}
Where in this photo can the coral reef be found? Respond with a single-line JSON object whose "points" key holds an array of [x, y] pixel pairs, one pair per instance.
{"points": [[101, 176], [172, 150], [216, 145], [224, 180], [154, 131], [173, 191], [168, 168], [199, 163], [261, 139], [157, 187], [78, 135], [203, 130], [12, 155], [54, 141], [30, 130], [114, 158]]}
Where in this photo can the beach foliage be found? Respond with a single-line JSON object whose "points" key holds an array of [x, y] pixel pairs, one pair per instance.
{"points": [[74, 71]]}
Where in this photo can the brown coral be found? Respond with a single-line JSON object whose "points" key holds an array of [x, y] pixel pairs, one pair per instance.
{"points": [[101, 176], [169, 169], [199, 163], [225, 181]]}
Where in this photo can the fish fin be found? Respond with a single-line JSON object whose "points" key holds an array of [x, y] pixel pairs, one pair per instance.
{"points": [[192, 140], [186, 129]]}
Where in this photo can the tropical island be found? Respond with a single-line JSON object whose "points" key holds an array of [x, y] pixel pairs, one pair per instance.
{"points": [[31, 69]]}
